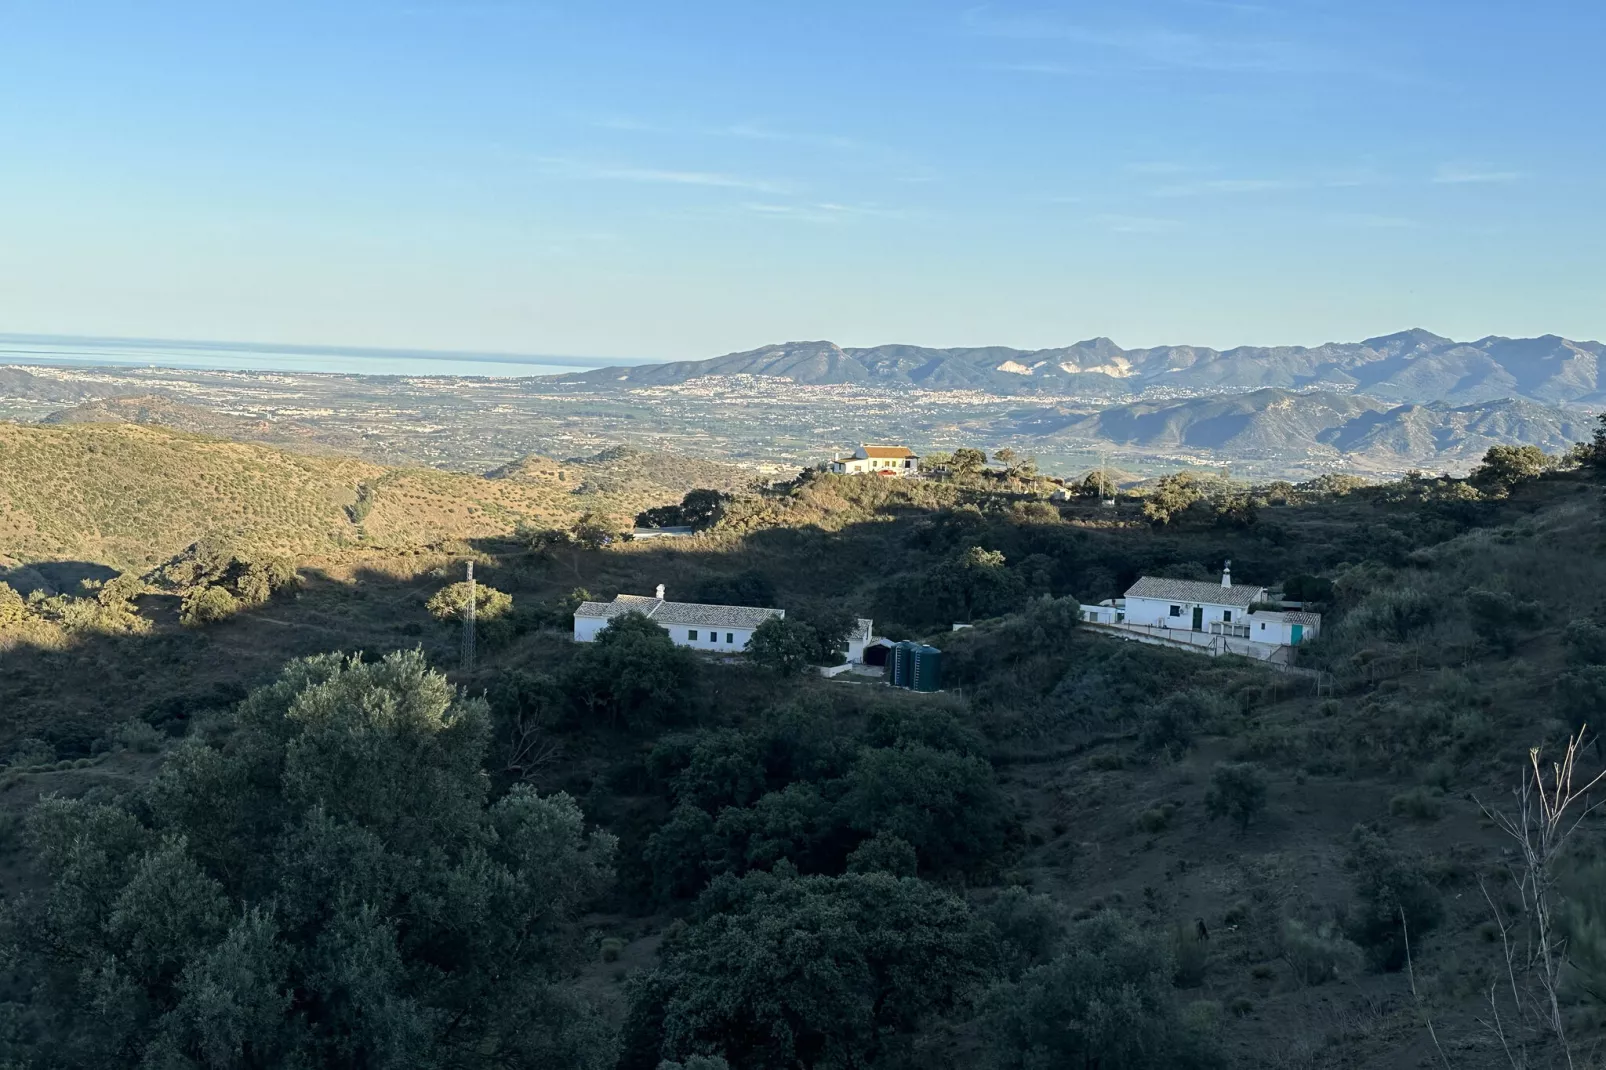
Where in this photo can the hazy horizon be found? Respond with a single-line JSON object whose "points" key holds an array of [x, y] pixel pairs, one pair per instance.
{"points": [[217, 355]]}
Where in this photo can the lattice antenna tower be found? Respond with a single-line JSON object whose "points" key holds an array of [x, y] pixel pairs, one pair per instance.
{"points": [[468, 623]]}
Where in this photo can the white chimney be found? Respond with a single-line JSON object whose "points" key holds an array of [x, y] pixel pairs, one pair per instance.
{"points": [[1226, 575], [660, 591]]}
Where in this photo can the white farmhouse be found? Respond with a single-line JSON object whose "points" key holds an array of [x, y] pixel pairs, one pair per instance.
{"points": [[725, 629], [1206, 617], [1192, 605], [877, 460]]}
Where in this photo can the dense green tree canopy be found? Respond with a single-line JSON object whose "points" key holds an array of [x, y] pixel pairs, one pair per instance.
{"points": [[824, 972], [1104, 1001], [975, 582], [783, 646], [323, 882], [1504, 467], [632, 672]]}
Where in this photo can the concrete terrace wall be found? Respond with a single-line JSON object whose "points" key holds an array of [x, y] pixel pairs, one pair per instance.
{"points": [[1200, 642]]}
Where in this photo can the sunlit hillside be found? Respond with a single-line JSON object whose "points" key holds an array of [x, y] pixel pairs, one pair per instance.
{"points": [[130, 496]]}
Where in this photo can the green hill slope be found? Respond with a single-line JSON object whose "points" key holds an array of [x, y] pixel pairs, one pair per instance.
{"points": [[132, 495]]}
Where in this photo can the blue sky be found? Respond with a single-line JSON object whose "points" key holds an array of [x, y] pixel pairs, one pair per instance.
{"points": [[657, 180]]}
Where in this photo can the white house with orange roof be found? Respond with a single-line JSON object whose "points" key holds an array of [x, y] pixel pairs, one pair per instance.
{"points": [[870, 460]]}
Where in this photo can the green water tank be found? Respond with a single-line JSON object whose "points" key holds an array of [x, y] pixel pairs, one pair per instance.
{"points": [[927, 669]]}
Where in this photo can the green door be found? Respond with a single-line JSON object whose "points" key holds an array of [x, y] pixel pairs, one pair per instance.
{"points": [[1296, 632], [1198, 618]]}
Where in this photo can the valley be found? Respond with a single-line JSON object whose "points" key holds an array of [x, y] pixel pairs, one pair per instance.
{"points": [[1381, 407]]}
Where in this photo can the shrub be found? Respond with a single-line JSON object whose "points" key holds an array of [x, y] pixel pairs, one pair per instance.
{"points": [[136, 735], [1170, 728], [1583, 923], [1237, 790], [677, 853], [1497, 617], [1420, 803], [13, 608], [1157, 819], [779, 972], [1585, 641], [31, 752], [297, 858], [611, 947], [1030, 929], [1104, 1001], [633, 673], [451, 602], [1192, 956], [783, 646], [1389, 613], [207, 605], [946, 805], [1387, 884], [883, 853], [1319, 955]]}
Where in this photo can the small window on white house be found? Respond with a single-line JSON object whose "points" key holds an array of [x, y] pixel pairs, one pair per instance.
{"points": [[691, 635], [1176, 611], [730, 637], [1263, 626], [1226, 615]]}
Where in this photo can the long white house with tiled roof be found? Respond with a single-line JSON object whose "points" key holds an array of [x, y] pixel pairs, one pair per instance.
{"points": [[1208, 617], [689, 624], [1190, 604], [877, 461]]}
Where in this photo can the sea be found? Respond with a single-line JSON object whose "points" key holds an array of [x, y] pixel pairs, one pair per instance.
{"points": [[242, 356]]}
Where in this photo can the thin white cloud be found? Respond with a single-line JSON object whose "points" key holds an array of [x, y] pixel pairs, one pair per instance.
{"points": [[1459, 176], [661, 176], [1037, 67], [1137, 224], [1226, 185], [1377, 222], [1162, 167], [746, 131], [1158, 47], [821, 212]]}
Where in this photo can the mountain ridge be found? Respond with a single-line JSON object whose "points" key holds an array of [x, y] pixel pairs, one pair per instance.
{"points": [[1408, 366]]}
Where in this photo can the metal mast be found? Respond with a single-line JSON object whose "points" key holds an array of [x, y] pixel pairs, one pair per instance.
{"points": [[468, 623]]}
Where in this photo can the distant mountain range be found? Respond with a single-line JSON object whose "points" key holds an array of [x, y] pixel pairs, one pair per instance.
{"points": [[1411, 367], [1351, 430]]}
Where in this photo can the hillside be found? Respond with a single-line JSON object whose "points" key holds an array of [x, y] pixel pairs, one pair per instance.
{"points": [[130, 496], [625, 472], [161, 411], [1063, 783], [23, 392], [1412, 366]]}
